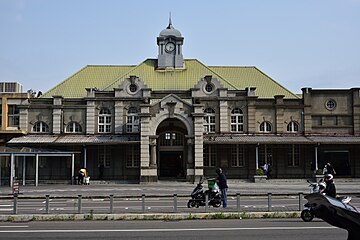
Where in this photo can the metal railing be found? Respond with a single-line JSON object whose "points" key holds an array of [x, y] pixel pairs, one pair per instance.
{"points": [[148, 204]]}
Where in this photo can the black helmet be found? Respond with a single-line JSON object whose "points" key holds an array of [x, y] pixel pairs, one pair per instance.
{"points": [[219, 171]]}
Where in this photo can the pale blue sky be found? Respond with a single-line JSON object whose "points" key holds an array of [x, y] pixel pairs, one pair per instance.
{"points": [[307, 43]]}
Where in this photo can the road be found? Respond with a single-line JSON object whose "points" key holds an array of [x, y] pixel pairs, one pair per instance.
{"points": [[249, 229]]}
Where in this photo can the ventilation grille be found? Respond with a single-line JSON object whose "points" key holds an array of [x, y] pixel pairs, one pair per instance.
{"points": [[10, 87]]}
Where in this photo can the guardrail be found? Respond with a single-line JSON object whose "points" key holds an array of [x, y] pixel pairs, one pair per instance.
{"points": [[146, 204]]}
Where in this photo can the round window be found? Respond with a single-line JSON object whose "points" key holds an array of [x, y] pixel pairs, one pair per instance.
{"points": [[330, 104], [209, 87], [133, 88]]}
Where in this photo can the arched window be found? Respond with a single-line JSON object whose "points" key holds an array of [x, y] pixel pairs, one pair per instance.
{"points": [[209, 120], [237, 120], [104, 120], [40, 127], [132, 124], [73, 127], [265, 127], [293, 127]]}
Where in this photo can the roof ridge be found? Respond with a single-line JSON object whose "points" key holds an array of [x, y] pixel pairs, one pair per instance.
{"points": [[117, 79], [224, 79]]}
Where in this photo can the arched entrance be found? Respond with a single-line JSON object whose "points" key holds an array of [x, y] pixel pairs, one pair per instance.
{"points": [[172, 150]]}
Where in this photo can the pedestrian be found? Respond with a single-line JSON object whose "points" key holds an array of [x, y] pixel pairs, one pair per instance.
{"points": [[101, 171], [265, 168], [325, 171], [82, 174], [222, 182], [269, 170], [330, 169]]}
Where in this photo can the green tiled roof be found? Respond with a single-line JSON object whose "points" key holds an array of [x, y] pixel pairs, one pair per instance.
{"points": [[109, 77]]}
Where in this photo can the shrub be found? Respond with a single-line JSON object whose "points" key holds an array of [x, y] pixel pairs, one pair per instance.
{"points": [[259, 172]]}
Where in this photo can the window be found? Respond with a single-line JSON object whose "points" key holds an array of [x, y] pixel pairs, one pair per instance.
{"points": [[293, 155], [172, 139], [73, 127], [13, 116], [293, 127], [209, 120], [133, 88], [209, 88], [133, 156], [209, 156], [265, 154], [104, 159], [41, 127], [132, 124], [104, 120], [330, 104], [237, 120], [265, 127], [237, 156]]}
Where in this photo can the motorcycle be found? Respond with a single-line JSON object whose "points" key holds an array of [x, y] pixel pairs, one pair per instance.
{"points": [[307, 214], [336, 212], [198, 195]]}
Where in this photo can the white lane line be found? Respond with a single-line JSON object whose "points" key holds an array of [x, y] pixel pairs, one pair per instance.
{"points": [[14, 226], [159, 230]]}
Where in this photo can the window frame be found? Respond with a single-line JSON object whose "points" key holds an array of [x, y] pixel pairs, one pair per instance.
{"points": [[265, 127], [40, 127], [209, 120], [104, 120], [237, 120], [132, 120], [292, 127], [73, 127]]}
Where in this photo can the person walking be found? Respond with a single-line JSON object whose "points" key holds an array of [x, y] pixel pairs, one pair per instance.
{"points": [[222, 182]]}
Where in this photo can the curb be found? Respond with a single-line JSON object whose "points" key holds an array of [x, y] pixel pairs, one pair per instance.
{"points": [[150, 216]]}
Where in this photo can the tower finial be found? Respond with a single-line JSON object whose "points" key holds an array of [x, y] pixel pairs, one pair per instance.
{"points": [[170, 23]]}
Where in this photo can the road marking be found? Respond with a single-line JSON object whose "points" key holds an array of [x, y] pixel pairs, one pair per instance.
{"points": [[159, 230], [14, 226]]}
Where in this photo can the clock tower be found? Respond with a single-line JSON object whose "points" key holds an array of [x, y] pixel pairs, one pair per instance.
{"points": [[170, 44]]}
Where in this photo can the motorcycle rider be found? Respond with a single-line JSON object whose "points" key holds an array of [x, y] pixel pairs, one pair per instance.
{"points": [[222, 182], [330, 189]]}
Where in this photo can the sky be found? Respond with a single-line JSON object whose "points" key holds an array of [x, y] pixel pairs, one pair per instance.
{"points": [[307, 43]]}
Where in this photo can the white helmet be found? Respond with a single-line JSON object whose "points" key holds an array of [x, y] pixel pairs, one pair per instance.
{"points": [[328, 177]]}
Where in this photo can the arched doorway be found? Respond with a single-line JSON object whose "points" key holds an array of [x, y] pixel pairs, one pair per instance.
{"points": [[172, 150]]}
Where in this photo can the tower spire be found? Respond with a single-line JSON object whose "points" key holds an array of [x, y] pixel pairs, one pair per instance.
{"points": [[170, 22]]}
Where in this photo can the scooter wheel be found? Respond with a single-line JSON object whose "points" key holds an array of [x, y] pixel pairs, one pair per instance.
{"points": [[307, 215], [192, 203]]}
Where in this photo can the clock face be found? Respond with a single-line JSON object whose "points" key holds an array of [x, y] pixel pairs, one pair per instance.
{"points": [[169, 47]]}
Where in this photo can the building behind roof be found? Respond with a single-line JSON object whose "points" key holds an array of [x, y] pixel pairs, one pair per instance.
{"points": [[176, 118]]}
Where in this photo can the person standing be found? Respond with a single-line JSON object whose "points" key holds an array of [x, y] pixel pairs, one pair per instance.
{"points": [[330, 169], [222, 182]]}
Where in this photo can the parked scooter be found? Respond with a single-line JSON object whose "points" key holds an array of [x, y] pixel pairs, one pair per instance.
{"points": [[198, 194], [307, 214], [336, 213]]}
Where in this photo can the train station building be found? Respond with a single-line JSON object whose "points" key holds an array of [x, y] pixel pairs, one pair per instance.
{"points": [[178, 119]]}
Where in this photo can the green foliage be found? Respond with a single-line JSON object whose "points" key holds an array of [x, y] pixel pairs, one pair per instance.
{"points": [[259, 172]]}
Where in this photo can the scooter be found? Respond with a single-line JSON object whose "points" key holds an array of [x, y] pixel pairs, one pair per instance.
{"points": [[198, 195], [307, 214], [336, 213]]}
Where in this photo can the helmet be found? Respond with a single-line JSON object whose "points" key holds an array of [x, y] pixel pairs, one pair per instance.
{"points": [[219, 171], [328, 177]]}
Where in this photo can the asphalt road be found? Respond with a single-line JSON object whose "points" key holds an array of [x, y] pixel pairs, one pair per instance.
{"points": [[249, 229]]}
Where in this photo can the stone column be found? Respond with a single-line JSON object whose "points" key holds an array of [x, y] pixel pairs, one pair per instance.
{"points": [[119, 117], [279, 99], [198, 141], [224, 119], [190, 170], [56, 114], [153, 158]]}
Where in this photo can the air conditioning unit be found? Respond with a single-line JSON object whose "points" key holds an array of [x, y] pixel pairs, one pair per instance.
{"points": [[10, 87]]}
